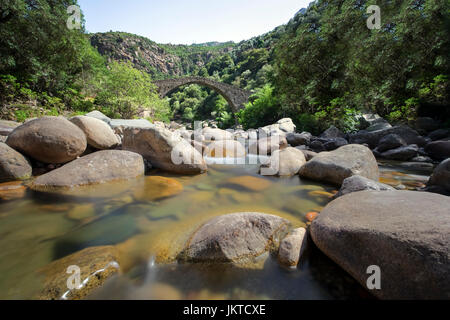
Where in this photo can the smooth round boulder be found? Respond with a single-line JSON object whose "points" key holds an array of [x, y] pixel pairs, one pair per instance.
{"points": [[404, 233], [164, 149], [235, 238], [98, 133], [13, 165], [285, 162], [48, 140], [337, 165], [98, 167]]}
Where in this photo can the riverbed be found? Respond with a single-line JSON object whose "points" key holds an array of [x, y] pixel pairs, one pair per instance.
{"points": [[148, 226]]}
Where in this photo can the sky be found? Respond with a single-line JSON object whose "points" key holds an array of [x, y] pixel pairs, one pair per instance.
{"points": [[189, 21]]}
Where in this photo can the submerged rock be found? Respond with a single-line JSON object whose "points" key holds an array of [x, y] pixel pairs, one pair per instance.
{"points": [[359, 183], [404, 233], [97, 167], [96, 265], [156, 188], [13, 165], [235, 238], [335, 166], [249, 183], [292, 247], [48, 139], [164, 150], [98, 134]]}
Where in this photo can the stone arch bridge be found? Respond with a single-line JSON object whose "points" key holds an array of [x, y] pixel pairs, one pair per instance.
{"points": [[236, 97]]}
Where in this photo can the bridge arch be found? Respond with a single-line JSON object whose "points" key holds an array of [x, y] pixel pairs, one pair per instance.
{"points": [[235, 96]]}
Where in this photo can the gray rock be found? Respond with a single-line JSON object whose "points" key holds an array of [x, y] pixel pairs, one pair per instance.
{"points": [[48, 139], [401, 153], [334, 143], [164, 150], [286, 125], [97, 167], [308, 153], [215, 134], [425, 124], [285, 162], [98, 115], [118, 125], [265, 146], [298, 139], [439, 181], [421, 159], [13, 165], [390, 141], [292, 247], [235, 238], [359, 183], [6, 127], [331, 133], [439, 134], [98, 134], [317, 146], [438, 150], [335, 166], [404, 233], [372, 138]]}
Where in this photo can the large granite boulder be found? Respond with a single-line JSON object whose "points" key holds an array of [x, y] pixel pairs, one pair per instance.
{"points": [[285, 162], [358, 183], [335, 166], [98, 134], [48, 139], [235, 238], [13, 165], [97, 167], [438, 150], [164, 150], [439, 181], [404, 233]]}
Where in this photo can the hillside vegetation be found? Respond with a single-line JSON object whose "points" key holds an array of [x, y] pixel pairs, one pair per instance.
{"points": [[323, 67]]}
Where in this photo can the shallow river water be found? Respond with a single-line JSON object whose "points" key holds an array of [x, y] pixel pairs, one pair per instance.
{"points": [[147, 225]]}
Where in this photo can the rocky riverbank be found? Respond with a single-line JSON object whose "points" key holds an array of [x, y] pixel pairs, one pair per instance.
{"points": [[368, 222]]}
